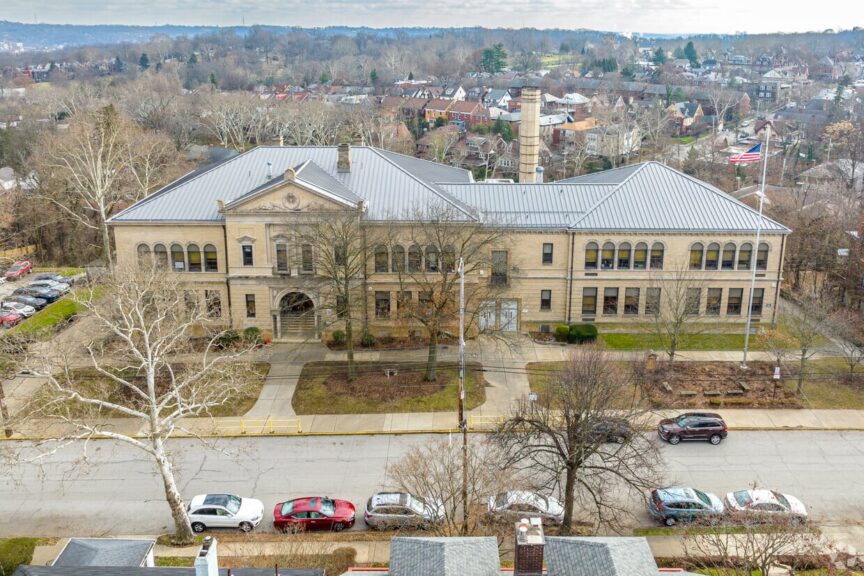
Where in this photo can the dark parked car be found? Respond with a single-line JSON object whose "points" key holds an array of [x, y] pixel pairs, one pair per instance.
{"points": [[37, 303], [693, 426], [313, 513], [35, 292], [682, 504], [612, 430], [56, 278]]}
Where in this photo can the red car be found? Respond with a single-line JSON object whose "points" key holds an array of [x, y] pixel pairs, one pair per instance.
{"points": [[9, 318], [313, 513], [19, 269]]}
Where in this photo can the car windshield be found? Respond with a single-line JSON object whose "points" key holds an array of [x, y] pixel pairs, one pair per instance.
{"points": [[416, 504], [328, 507], [681, 420], [703, 497], [233, 504], [781, 499], [742, 497], [287, 508]]}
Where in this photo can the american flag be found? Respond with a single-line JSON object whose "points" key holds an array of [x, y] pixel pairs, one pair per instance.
{"points": [[751, 155]]}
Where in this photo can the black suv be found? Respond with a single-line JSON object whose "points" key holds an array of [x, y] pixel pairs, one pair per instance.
{"points": [[693, 426]]}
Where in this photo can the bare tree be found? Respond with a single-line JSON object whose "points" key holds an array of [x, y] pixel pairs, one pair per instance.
{"points": [[307, 124], [235, 120], [144, 324], [804, 322], [437, 237], [560, 440], [847, 327], [152, 160], [678, 312]]}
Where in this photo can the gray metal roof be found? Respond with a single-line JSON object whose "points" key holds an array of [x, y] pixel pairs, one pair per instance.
{"points": [[104, 552], [476, 556], [646, 196], [617, 556], [27, 570]]}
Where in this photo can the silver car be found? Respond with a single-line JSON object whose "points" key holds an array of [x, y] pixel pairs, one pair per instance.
{"points": [[521, 504], [224, 511], [60, 287], [400, 510], [19, 308]]}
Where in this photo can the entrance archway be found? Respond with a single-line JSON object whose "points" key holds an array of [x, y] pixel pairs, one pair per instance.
{"points": [[297, 315]]}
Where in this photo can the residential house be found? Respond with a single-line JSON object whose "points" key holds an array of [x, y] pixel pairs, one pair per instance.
{"points": [[497, 98], [437, 108], [571, 135], [87, 552], [469, 112], [825, 70], [456, 93], [685, 115], [613, 141]]}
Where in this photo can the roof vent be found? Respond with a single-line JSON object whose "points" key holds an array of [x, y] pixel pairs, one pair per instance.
{"points": [[269, 170]]}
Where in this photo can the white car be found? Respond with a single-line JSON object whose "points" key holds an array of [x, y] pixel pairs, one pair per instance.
{"points": [[60, 287], [19, 308], [519, 504], [224, 511], [766, 504]]}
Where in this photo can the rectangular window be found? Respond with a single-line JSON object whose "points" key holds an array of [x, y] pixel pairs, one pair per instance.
{"points": [[607, 257], [306, 258], [589, 301], [631, 301], [756, 302], [547, 253], [692, 301], [194, 261], [712, 256], [214, 303], [728, 261], [624, 257], [712, 305], [247, 255], [657, 257], [282, 257], [640, 256], [591, 257], [211, 263], [652, 301], [733, 303], [190, 299], [382, 305], [381, 263], [499, 267], [610, 301], [545, 300], [250, 306]]}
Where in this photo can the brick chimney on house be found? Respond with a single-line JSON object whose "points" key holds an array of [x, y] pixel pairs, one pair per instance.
{"points": [[528, 555], [343, 164], [529, 134]]}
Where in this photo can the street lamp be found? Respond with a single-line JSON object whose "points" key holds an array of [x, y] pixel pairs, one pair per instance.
{"points": [[463, 425]]}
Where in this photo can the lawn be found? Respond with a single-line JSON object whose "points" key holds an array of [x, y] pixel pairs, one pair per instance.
{"points": [[68, 272], [43, 324], [825, 388], [648, 341], [16, 551], [323, 388]]}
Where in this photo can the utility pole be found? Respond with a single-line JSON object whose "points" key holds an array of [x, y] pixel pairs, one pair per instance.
{"points": [[755, 253], [463, 425]]}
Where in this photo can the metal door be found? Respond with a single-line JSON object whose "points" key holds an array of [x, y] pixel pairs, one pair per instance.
{"points": [[509, 316]]}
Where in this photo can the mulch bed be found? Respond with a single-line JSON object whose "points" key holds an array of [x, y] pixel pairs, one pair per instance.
{"points": [[393, 343], [685, 378], [409, 383]]}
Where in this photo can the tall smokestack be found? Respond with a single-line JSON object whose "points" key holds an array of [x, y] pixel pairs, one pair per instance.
{"points": [[529, 134]]}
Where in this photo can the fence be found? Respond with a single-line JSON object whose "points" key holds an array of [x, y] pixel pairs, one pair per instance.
{"points": [[240, 426]]}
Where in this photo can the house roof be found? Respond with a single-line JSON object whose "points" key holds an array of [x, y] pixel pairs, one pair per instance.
{"points": [[618, 556], [646, 196], [477, 556], [104, 552], [439, 104], [466, 107], [26, 570]]}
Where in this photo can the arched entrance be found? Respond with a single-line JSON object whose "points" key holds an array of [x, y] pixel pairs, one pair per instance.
{"points": [[297, 315]]}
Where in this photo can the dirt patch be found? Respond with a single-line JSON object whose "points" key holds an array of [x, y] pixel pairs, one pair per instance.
{"points": [[718, 384], [368, 384], [394, 343]]}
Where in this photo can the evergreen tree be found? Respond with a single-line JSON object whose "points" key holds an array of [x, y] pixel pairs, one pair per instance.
{"points": [[494, 59], [144, 61], [213, 80], [690, 53], [373, 77], [659, 56], [410, 75], [678, 53], [118, 65], [193, 59]]}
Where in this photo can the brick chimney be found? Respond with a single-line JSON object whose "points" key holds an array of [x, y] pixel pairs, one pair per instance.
{"points": [[528, 555], [343, 164], [529, 134], [207, 562]]}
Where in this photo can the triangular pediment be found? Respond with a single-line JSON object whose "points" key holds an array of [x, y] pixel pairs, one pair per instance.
{"points": [[287, 197]]}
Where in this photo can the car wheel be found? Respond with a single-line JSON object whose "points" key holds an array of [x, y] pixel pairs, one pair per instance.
{"points": [[337, 527], [674, 439], [670, 521], [715, 439], [246, 527], [198, 527]]}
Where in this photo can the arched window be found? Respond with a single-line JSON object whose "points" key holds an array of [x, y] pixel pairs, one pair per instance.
{"points": [[640, 256], [178, 258], [712, 256], [728, 261], [591, 256], [624, 255], [745, 256], [144, 254], [448, 258], [415, 259], [431, 259], [762, 257], [696, 256], [607, 257], [657, 256], [194, 257], [160, 254], [211, 263], [381, 258], [398, 259]]}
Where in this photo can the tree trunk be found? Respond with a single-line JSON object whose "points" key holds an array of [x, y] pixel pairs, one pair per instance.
{"points": [[106, 238], [182, 529], [349, 346], [432, 362], [800, 389], [569, 486]]}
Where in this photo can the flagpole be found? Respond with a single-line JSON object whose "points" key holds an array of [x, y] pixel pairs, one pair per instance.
{"points": [[755, 251]]}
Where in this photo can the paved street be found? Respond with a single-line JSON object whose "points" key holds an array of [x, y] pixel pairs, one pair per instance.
{"points": [[117, 492]]}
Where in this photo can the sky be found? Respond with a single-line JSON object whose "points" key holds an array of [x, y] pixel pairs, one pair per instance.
{"points": [[644, 16]]}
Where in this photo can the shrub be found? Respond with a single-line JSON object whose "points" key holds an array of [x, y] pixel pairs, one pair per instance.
{"points": [[227, 339], [14, 552], [582, 333], [367, 341], [252, 335], [338, 337], [562, 331]]}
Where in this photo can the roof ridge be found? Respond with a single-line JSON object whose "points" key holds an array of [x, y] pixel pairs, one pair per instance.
{"points": [[612, 192]]}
